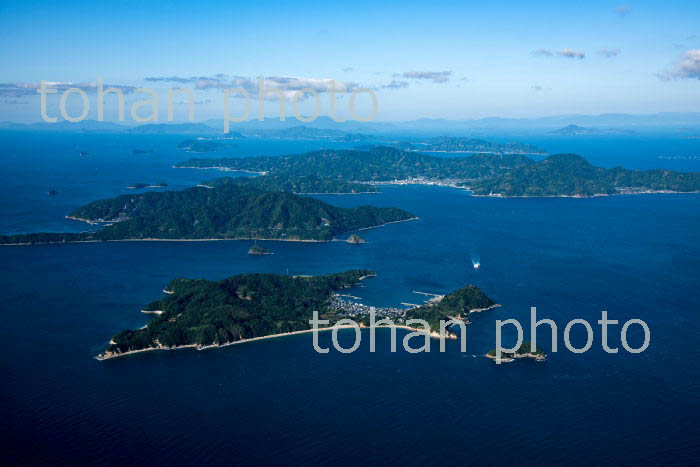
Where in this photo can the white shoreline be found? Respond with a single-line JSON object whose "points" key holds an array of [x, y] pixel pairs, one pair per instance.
{"points": [[195, 239], [104, 356]]}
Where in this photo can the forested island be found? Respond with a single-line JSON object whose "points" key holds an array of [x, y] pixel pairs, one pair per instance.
{"points": [[524, 351], [257, 250], [227, 211], [458, 304], [198, 313], [483, 174], [375, 165]]}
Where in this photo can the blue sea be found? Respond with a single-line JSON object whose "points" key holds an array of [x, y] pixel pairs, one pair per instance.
{"points": [[278, 401]]}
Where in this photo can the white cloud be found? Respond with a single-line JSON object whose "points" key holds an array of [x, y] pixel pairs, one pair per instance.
{"points": [[572, 53], [609, 53], [289, 86], [689, 68], [29, 89], [434, 76]]}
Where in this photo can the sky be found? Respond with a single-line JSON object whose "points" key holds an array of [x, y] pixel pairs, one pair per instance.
{"points": [[453, 60]]}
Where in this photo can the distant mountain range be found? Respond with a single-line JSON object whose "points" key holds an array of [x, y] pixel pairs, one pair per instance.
{"points": [[680, 120], [575, 130]]}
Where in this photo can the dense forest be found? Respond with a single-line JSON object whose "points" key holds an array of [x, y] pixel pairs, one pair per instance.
{"points": [[377, 164], [572, 175], [457, 304], [203, 312], [226, 211]]}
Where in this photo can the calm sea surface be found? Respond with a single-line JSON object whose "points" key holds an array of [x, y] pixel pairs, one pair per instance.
{"points": [[278, 401]]}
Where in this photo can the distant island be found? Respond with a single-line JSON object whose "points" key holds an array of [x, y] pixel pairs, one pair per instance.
{"points": [[139, 185], [198, 313], [227, 211], [257, 250], [470, 145], [356, 239], [575, 130], [200, 146], [486, 175], [524, 351]]}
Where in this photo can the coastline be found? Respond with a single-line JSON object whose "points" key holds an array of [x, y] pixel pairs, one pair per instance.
{"points": [[382, 225], [595, 195], [461, 187], [511, 358], [197, 239], [110, 355], [479, 310]]}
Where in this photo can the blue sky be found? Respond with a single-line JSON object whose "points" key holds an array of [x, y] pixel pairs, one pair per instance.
{"points": [[505, 58]]}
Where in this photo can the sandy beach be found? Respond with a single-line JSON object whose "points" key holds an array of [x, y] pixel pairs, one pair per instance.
{"points": [[109, 355]]}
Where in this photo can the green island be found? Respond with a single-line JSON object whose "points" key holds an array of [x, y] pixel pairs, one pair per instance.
{"points": [[257, 250], [524, 351], [199, 313], [302, 185], [227, 211], [485, 175], [379, 164]]}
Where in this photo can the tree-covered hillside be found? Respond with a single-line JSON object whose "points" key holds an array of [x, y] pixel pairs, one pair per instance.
{"points": [[202, 312], [456, 304], [298, 185], [377, 164], [227, 211], [572, 175], [485, 174]]}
